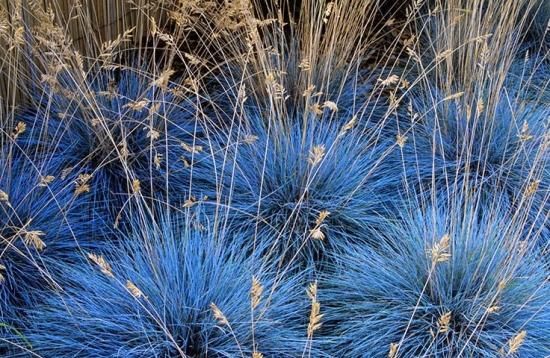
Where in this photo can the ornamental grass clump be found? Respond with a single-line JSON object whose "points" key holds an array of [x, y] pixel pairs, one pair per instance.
{"points": [[447, 282], [173, 288]]}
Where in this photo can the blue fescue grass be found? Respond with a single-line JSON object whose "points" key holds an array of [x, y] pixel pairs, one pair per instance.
{"points": [[415, 188], [43, 223], [493, 143], [269, 185], [180, 269], [123, 126], [493, 288]]}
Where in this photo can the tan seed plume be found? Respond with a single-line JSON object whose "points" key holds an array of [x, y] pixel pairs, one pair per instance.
{"points": [[532, 188], [100, 261], [331, 105], [515, 342], [218, 315], [390, 81], [191, 148], [440, 251], [133, 289], [443, 322], [255, 292], [46, 180], [82, 184], [316, 155], [4, 197], [33, 238], [19, 129], [393, 350], [136, 186], [315, 315], [163, 80], [401, 140]]}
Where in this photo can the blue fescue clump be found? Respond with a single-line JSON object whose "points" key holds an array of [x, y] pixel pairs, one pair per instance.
{"points": [[154, 298], [44, 221], [124, 126], [302, 189], [446, 282], [497, 149]]}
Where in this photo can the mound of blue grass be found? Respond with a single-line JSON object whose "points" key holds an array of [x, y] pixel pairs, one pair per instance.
{"points": [[499, 153], [155, 297], [445, 282], [121, 125], [299, 191], [45, 221]]}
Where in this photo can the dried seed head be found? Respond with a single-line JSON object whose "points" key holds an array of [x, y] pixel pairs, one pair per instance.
{"points": [[314, 318], [241, 94], [524, 135], [33, 238], [317, 234], [191, 148], [453, 96], [102, 263], [65, 172], [440, 251], [493, 309], [390, 22], [390, 81], [136, 186], [255, 292], [480, 106], [19, 129], [443, 55], [312, 291], [331, 105], [82, 185], [250, 139], [218, 315], [349, 125], [404, 84], [532, 188], [515, 342], [134, 290], [443, 322], [163, 80], [4, 197], [257, 355], [152, 133], [393, 350], [316, 154], [309, 91], [45, 180], [137, 106], [401, 140], [328, 11], [322, 216], [189, 202], [316, 109], [305, 65]]}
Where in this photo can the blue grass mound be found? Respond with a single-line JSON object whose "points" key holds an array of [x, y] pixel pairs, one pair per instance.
{"points": [[172, 291], [447, 282], [122, 125], [48, 218], [498, 151], [302, 190]]}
